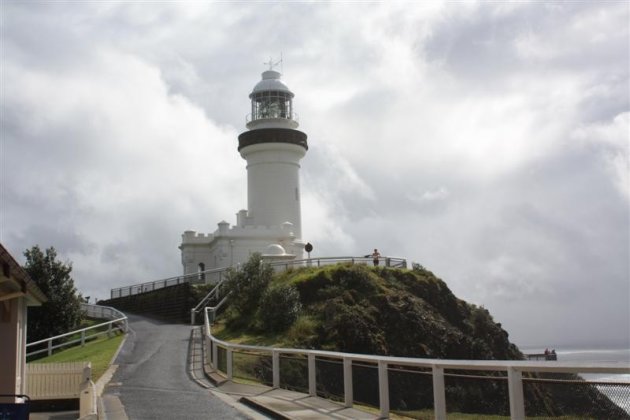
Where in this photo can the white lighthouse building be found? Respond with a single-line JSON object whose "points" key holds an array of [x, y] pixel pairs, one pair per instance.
{"points": [[272, 224]]}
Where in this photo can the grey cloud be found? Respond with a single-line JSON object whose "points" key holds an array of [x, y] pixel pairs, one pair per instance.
{"points": [[536, 240]]}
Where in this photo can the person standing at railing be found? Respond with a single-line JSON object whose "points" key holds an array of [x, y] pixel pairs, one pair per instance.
{"points": [[375, 256]]}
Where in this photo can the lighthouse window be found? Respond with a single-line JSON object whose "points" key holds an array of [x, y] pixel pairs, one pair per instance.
{"points": [[271, 104]]}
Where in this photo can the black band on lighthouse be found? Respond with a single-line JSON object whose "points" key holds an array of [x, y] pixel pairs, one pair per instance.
{"points": [[272, 135]]}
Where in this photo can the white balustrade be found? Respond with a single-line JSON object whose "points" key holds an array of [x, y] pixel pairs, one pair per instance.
{"points": [[514, 370]]}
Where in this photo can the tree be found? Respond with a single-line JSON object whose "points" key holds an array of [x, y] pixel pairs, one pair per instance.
{"points": [[279, 307], [247, 285], [62, 313]]}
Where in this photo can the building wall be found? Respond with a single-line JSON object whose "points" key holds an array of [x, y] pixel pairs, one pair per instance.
{"points": [[229, 247], [13, 339], [273, 184]]}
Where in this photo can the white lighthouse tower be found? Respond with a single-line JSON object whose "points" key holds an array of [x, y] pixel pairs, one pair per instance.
{"points": [[272, 223]]}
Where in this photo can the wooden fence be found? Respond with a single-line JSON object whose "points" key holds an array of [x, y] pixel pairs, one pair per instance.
{"points": [[50, 381]]}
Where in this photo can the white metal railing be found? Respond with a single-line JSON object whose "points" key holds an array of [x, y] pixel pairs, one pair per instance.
{"points": [[287, 116], [436, 367], [118, 321], [394, 262], [101, 312], [214, 293], [207, 276], [216, 275]]}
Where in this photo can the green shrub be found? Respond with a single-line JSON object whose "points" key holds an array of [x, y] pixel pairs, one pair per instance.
{"points": [[279, 308], [247, 285], [303, 329]]}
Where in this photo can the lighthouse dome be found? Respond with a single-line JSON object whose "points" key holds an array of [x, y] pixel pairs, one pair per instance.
{"points": [[275, 249], [271, 82]]}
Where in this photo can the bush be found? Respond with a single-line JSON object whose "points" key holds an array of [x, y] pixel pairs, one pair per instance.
{"points": [[303, 330], [279, 308], [247, 285]]}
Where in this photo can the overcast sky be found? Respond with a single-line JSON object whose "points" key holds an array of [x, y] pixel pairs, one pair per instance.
{"points": [[488, 141]]}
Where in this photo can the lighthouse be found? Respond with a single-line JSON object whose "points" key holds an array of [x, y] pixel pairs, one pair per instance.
{"points": [[271, 225], [273, 148]]}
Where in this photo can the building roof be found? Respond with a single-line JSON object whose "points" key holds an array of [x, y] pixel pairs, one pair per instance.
{"points": [[15, 282], [271, 82]]}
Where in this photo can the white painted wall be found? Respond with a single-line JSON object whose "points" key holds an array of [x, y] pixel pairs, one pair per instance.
{"points": [[273, 184]]}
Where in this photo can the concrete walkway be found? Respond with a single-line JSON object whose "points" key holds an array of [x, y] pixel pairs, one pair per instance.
{"points": [[160, 373], [274, 402]]}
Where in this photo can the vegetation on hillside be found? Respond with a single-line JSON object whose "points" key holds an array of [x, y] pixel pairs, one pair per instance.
{"points": [[384, 311], [352, 308]]}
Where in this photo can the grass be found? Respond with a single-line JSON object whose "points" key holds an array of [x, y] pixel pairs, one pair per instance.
{"points": [[243, 336], [100, 352]]}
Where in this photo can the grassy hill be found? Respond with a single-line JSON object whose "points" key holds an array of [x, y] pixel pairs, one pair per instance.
{"points": [[377, 310], [393, 312]]}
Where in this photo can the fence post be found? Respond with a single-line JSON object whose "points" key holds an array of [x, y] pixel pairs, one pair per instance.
{"points": [[87, 396], [312, 384], [83, 338], [439, 398], [192, 316], [209, 350], [215, 356], [515, 390], [229, 363], [275, 367], [49, 347], [383, 388], [347, 381]]}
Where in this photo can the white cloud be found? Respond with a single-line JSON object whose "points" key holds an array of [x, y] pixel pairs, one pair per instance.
{"points": [[487, 141]]}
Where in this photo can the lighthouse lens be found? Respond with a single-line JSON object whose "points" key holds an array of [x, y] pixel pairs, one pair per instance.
{"points": [[271, 104]]}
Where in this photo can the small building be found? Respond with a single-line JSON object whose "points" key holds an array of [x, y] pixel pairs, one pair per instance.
{"points": [[272, 223], [17, 292]]}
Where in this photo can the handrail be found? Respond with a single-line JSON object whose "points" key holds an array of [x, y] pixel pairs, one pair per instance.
{"points": [[194, 311], [119, 323], [290, 116], [150, 286], [101, 311], [513, 368], [208, 296], [396, 262], [214, 309]]}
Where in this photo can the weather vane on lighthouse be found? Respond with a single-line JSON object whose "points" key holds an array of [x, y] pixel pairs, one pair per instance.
{"points": [[271, 64]]}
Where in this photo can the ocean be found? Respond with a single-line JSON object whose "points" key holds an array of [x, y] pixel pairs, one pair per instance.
{"points": [[622, 399], [590, 355]]}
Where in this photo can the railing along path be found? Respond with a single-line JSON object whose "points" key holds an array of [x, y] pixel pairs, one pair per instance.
{"points": [[513, 370], [117, 321]]}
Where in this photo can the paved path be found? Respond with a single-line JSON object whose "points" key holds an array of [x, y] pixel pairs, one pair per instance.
{"points": [[152, 380]]}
